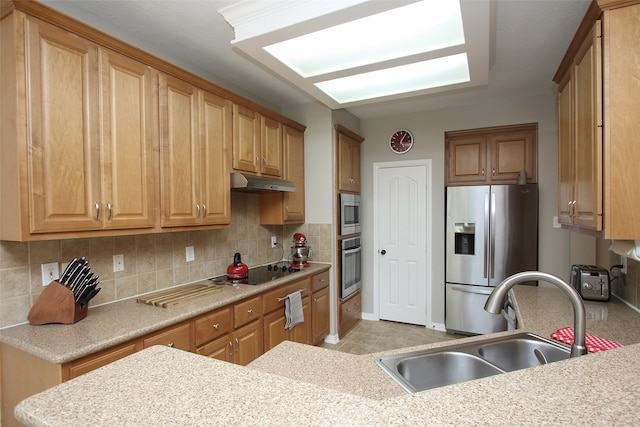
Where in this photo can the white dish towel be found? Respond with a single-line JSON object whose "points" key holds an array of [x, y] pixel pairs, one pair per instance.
{"points": [[293, 310]]}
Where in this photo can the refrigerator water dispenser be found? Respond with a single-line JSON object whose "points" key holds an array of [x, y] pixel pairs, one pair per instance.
{"points": [[465, 236]]}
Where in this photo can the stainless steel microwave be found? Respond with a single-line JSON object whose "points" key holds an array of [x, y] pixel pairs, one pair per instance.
{"points": [[350, 214]]}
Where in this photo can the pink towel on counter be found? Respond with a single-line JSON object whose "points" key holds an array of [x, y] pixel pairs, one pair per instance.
{"points": [[594, 344]]}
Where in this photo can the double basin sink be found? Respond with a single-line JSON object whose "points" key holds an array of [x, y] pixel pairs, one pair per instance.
{"points": [[427, 369]]}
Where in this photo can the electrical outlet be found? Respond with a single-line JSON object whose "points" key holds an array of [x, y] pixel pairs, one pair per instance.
{"points": [[118, 263], [191, 255], [50, 273], [274, 242], [624, 264]]}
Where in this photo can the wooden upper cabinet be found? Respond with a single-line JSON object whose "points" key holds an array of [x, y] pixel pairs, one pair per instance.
{"points": [[491, 155], [195, 135], [257, 143], [287, 207], [128, 134], [271, 147], [88, 149], [215, 131], [64, 146], [598, 103], [348, 159], [246, 140]]}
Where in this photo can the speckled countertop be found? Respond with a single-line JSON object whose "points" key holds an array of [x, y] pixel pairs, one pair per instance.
{"points": [[295, 384], [115, 323]]}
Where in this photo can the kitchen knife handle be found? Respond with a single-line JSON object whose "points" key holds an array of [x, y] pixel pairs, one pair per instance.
{"points": [[109, 209], [97, 212]]}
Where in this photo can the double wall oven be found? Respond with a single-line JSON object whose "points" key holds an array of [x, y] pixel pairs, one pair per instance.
{"points": [[350, 248]]}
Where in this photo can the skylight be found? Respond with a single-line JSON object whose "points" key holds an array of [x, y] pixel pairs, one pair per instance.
{"points": [[417, 28], [352, 52]]}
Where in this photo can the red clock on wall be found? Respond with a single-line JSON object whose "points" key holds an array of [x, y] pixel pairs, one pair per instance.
{"points": [[401, 141]]}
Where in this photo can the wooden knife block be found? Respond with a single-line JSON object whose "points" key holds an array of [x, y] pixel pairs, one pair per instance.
{"points": [[56, 304]]}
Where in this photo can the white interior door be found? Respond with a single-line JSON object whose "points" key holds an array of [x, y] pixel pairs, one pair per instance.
{"points": [[400, 209]]}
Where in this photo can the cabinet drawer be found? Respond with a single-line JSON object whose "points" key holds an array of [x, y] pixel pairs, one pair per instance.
{"points": [[320, 281], [213, 325], [247, 311], [176, 337], [95, 361], [274, 299]]}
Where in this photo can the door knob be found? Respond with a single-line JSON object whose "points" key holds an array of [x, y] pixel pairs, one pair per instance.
{"points": [[383, 252]]}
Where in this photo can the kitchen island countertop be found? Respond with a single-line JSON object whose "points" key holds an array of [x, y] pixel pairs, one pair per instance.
{"points": [[304, 385]]}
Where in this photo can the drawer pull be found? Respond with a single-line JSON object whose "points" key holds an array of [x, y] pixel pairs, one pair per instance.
{"points": [[282, 299], [230, 348], [171, 345], [237, 345], [216, 326], [250, 311]]}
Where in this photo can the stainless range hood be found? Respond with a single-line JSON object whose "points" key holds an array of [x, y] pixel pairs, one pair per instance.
{"points": [[258, 184]]}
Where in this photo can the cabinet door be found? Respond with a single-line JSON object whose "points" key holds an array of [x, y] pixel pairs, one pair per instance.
{"points": [[127, 142], [274, 331], [302, 331], [221, 349], [246, 139], [63, 161], [215, 159], [271, 147], [348, 163], [320, 315], [466, 159], [247, 342], [510, 152], [565, 151], [588, 133], [95, 361], [179, 152], [294, 172]]}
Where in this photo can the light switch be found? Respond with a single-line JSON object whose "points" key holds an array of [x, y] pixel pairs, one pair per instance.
{"points": [[190, 254]]}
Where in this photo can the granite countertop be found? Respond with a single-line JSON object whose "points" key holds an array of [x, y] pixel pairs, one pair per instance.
{"points": [[304, 385], [111, 324]]}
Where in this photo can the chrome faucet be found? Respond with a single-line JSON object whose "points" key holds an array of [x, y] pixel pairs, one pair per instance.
{"points": [[496, 301]]}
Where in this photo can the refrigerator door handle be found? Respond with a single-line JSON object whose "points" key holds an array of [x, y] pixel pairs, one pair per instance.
{"points": [[486, 236], [473, 290], [492, 231]]}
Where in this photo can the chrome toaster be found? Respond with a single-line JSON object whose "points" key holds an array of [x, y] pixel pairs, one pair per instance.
{"points": [[591, 282]]}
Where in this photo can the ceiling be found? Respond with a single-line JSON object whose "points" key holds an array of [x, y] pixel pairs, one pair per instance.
{"points": [[527, 42]]}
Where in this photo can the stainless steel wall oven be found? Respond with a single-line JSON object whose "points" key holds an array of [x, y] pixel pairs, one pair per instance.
{"points": [[351, 267]]}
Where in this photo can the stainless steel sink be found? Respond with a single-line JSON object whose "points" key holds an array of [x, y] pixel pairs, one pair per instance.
{"points": [[518, 353], [426, 369]]}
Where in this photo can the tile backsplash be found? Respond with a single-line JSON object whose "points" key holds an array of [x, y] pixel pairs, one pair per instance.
{"points": [[152, 261]]}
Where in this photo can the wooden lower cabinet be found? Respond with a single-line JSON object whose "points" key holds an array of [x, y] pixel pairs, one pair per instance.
{"points": [[241, 346], [174, 337], [275, 332], [350, 313], [97, 360], [320, 315]]}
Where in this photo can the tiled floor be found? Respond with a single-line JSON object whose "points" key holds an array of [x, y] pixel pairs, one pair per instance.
{"points": [[370, 336]]}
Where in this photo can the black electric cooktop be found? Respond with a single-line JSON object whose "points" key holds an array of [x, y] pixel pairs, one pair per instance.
{"points": [[257, 275]]}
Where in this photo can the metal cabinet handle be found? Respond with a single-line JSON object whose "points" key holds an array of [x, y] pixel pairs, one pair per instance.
{"points": [[197, 211], [493, 171], [110, 210], [204, 210], [230, 348], [237, 345], [250, 311], [284, 298], [216, 326], [171, 345], [97, 211], [482, 172]]}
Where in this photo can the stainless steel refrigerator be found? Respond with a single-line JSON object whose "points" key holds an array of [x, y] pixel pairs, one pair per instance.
{"points": [[491, 233]]}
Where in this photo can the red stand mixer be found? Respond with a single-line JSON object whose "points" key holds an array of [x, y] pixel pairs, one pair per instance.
{"points": [[300, 252]]}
